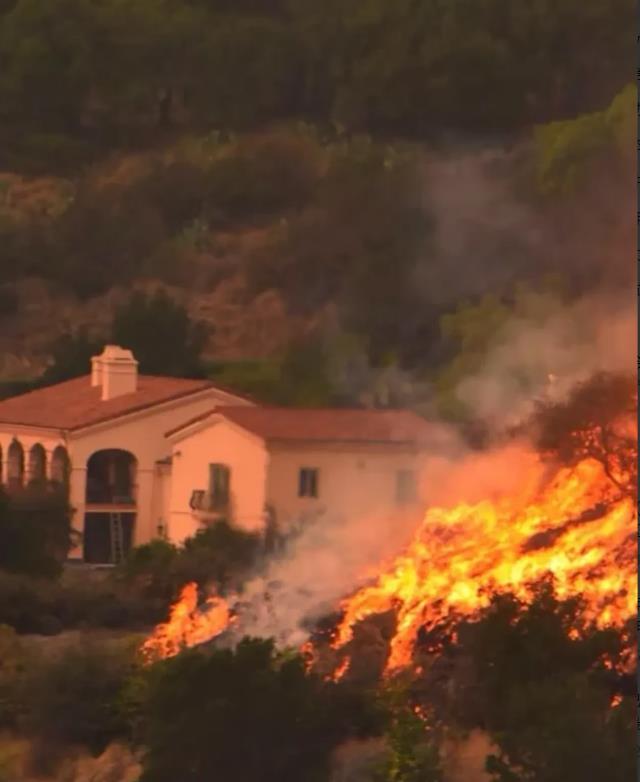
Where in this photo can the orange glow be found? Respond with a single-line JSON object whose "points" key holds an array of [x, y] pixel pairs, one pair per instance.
{"points": [[577, 527], [188, 625]]}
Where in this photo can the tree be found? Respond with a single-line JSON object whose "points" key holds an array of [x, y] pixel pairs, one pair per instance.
{"points": [[35, 531], [568, 151], [39, 85], [159, 331], [246, 713], [71, 356], [539, 679], [597, 421]]}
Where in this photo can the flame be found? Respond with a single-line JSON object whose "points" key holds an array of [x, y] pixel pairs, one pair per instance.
{"points": [[188, 624], [576, 528]]}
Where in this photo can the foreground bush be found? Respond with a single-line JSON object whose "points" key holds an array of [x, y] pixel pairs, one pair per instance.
{"points": [[248, 714], [74, 698]]}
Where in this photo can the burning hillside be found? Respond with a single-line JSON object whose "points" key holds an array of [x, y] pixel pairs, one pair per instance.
{"points": [[576, 529], [575, 525]]}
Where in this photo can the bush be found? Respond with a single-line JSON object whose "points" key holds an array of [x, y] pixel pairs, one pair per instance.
{"points": [[262, 175], [35, 531], [12, 666], [219, 554], [74, 697], [247, 714]]}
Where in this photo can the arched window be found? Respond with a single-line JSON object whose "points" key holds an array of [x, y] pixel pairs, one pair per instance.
{"points": [[37, 464], [15, 465], [111, 477], [60, 466]]}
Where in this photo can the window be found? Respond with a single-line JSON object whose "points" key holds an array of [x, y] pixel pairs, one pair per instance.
{"points": [[406, 490], [308, 482], [219, 481]]}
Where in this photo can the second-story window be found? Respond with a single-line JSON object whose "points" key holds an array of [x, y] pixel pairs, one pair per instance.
{"points": [[308, 482], [219, 483]]}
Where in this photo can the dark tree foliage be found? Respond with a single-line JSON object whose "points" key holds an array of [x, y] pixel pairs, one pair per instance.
{"points": [[597, 421], [218, 555], [163, 338], [541, 691], [247, 714], [35, 531], [71, 357]]}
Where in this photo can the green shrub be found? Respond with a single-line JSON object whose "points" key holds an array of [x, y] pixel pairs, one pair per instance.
{"points": [[73, 697], [35, 531], [219, 554], [248, 714], [12, 667]]}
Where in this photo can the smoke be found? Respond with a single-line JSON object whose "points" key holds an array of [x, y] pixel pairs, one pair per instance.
{"points": [[485, 240], [546, 357], [324, 563]]}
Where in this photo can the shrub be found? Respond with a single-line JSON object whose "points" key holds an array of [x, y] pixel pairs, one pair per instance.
{"points": [[12, 665], [218, 554], [35, 531], [73, 697], [247, 714], [261, 175]]}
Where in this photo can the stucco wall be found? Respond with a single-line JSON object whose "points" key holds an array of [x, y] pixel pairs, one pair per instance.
{"points": [[360, 481], [224, 443], [143, 435]]}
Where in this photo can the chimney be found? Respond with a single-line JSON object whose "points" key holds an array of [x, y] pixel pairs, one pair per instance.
{"points": [[115, 370]]}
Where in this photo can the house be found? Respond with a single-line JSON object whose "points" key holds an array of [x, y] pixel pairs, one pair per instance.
{"points": [[144, 457], [257, 465], [102, 435]]}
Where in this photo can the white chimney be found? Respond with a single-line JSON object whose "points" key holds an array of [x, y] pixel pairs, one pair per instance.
{"points": [[116, 371]]}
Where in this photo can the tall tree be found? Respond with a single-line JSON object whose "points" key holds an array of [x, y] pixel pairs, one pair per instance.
{"points": [[161, 334]]}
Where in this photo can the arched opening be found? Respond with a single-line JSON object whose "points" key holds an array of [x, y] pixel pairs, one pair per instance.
{"points": [[15, 465], [111, 476], [37, 465], [109, 524], [60, 466]]}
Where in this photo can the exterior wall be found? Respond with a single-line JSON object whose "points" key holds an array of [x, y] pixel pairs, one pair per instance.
{"points": [[225, 443], [144, 437], [358, 481], [161, 497]]}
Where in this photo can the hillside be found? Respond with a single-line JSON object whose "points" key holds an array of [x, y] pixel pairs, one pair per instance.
{"points": [[331, 184]]}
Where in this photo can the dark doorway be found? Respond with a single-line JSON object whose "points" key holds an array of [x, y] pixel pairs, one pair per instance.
{"points": [[107, 537]]}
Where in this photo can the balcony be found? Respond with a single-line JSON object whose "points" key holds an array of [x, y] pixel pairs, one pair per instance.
{"points": [[208, 505]]}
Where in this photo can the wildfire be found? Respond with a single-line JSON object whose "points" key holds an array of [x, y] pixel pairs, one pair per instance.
{"points": [[576, 528], [188, 624]]}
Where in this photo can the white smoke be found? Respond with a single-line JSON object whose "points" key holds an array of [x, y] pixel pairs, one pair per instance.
{"points": [[546, 357]]}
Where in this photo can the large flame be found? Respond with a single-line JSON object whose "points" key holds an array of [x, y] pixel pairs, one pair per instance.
{"points": [[188, 624], [577, 528]]}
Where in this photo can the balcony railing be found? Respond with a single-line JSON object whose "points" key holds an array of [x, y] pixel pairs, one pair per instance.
{"points": [[100, 494], [205, 502]]}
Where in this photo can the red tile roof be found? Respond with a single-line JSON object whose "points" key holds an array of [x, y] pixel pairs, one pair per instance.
{"points": [[75, 403], [331, 425]]}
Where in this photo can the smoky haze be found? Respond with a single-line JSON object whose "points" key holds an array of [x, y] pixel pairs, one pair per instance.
{"points": [[485, 239]]}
